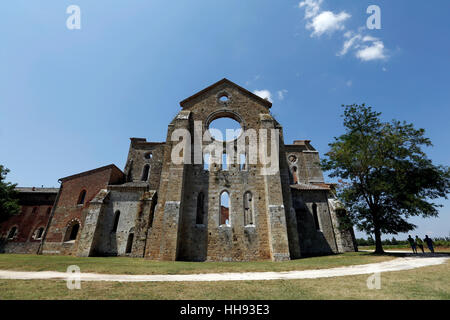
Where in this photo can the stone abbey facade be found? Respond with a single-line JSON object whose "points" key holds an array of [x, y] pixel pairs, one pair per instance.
{"points": [[164, 210]]}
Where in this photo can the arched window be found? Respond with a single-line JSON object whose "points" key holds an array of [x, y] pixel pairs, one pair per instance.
{"points": [[130, 171], [200, 208], [316, 217], [35, 210], [248, 209], [148, 155], [224, 161], [206, 161], [116, 221], [225, 208], [242, 162], [145, 172], [81, 197], [38, 233], [129, 242], [12, 233], [72, 231], [152, 210], [49, 210], [294, 175]]}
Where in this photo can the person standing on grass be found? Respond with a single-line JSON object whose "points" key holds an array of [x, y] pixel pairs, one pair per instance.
{"points": [[429, 243], [420, 243], [412, 243]]}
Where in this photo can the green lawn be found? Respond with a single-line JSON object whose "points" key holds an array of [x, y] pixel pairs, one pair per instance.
{"points": [[119, 265], [424, 283]]}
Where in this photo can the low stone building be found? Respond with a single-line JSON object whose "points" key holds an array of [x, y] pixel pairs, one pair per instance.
{"points": [[207, 207]]}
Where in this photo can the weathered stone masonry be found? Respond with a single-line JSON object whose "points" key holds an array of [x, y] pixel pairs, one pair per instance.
{"points": [[163, 210]]}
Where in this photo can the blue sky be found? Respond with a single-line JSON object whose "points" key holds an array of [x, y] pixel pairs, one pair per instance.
{"points": [[71, 99]]}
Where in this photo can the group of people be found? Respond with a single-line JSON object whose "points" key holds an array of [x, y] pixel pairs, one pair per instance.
{"points": [[417, 242]]}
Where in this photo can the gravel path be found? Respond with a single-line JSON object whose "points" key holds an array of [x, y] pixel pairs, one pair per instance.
{"points": [[398, 264]]}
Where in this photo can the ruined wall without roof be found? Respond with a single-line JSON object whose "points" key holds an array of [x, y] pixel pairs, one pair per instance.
{"points": [[176, 234], [141, 154]]}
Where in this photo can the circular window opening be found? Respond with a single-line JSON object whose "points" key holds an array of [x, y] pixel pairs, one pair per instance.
{"points": [[225, 129], [223, 98], [148, 155]]}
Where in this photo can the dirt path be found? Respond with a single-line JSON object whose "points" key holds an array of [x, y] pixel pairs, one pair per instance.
{"points": [[387, 266]]}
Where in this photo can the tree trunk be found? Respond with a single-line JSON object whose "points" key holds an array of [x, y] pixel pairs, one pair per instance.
{"points": [[378, 244]]}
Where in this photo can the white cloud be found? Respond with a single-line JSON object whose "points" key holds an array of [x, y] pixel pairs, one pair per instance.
{"points": [[322, 21], [281, 94], [350, 43], [327, 22], [365, 47], [375, 51], [312, 7], [265, 94]]}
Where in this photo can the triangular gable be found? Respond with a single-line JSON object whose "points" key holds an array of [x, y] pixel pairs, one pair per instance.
{"points": [[265, 102]]}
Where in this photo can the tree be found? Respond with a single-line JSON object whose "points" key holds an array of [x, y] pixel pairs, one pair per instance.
{"points": [[386, 176], [9, 204]]}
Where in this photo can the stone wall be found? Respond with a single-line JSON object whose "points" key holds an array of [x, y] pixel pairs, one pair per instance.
{"points": [[345, 236], [176, 235], [314, 240]]}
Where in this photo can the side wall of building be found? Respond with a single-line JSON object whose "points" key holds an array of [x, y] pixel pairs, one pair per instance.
{"points": [[69, 211], [315, 239], [30, 223]]}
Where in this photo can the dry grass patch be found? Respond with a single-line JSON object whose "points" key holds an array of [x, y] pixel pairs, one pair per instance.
{"points": [[120, 265], [422, 284]]}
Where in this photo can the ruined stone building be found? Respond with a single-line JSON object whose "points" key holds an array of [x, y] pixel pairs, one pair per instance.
{"points": [[163, 210]]}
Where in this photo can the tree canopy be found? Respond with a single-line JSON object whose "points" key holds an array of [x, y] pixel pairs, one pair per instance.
{"points": [[9, 205], [386, 176]]}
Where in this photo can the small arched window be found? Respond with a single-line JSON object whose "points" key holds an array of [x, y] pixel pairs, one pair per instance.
{"points": [[145, 172], [200, 208], [116, 221], [225, 208], [206, 161], [35, 210], [49, 210], [72, 231], [315, 216], [148, 155], [81, 197], [12, 233], [129, 242], [248, 209], [224, 162], [130, 171], [152, 210], [242, 162], [294, 175], [38, 233]]}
